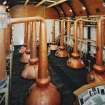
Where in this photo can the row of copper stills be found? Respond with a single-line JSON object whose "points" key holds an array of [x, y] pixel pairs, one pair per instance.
{"points": [[43, 92]]}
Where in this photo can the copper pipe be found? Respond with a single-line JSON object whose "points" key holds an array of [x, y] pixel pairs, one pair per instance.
{"points": [[61, 51], [81, 30], [99, 67], [7, 32], [26, 33], [53, 45], [26, 55], [75, 48], [25, 19], [62, 34], [29, 34], [75, 60], [99, 45], [43, 92], [2, 55], [53, 33], [30, 71], [68, 30], [97, 74], [43, 76], [33, 48]]}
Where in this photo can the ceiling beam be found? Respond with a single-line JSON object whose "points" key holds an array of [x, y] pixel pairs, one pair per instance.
{"points": [[57, 11], [56, 3], [26, 2], [62, 9], [41, 2]]}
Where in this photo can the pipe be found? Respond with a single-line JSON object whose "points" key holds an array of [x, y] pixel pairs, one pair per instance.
{"points": [[26, 33], [99, 67], [43, 92], [81, 30], [75, 48], [30, 71], [68, 30], [61, 51], [62, 34], [25, 19], [26, 55], [97, 74], [43, 76], [75, 60], [53, 45], [2, 55], [53, 33]]}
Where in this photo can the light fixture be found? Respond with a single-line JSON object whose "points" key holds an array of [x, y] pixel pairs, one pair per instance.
{"points": [[103, 4], [4, 2], [70, 10], [83, 8], [7, 7]]}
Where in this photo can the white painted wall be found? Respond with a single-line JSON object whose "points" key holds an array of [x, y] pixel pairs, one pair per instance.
{"points": [[93, 37], [18, 32]]}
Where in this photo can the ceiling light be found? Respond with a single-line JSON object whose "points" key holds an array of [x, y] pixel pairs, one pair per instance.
{"points": [[4, 2], [104, 4], [7, 7], [84, 8], [70, 10]]}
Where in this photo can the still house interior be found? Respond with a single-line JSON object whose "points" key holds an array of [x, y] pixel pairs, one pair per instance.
{"points": [[52, 52]]}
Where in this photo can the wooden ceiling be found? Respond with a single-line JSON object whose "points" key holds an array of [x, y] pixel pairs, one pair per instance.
{"points": [[67, 7]]}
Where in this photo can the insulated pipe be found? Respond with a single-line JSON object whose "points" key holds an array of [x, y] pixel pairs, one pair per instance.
{"points": [[30, 71], [43, 92]]}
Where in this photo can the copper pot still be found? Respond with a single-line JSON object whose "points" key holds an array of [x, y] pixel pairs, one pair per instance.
{"points": [[26, 52], [31, 69], [43, 92], [75, 61], [97, 74], [53, 45], [3, 26], [61, 51]]}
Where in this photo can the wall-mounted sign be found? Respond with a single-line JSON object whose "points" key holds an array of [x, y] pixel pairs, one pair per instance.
{"points": [[92, 94]]}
